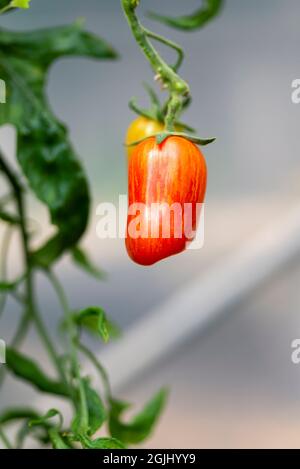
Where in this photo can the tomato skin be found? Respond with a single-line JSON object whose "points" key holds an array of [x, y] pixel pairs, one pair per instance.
{"points": [[173, 172], [140, 128]]}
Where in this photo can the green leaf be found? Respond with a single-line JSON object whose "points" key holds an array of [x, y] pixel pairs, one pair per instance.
{"points": [[4, 4], [81, 259], [14, 4], [7, 286], [57, 440], [44, 151], [114, 330], [20, 3], [26, 369], [94, 320], [209, 9], [44, 419], [142, 425], [96, 411], [24, 414], [101, 443], [16, 413]]}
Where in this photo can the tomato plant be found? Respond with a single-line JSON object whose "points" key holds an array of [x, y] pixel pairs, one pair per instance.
{"points": [[165, 167], [173, 175], [51, 170]]}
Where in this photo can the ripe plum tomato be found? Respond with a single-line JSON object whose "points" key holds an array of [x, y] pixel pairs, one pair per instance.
{"points": [[166, 182]]}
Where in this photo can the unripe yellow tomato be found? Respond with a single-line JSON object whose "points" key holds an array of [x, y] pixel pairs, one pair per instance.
{"points": [[140, 128]]}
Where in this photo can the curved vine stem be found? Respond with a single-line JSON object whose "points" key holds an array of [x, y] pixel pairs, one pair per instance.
{"points": [[72, 337], [101, 370], [22, 330], [30, 297], [5, 440], [167, 42], [4, 254], [177, 87]]}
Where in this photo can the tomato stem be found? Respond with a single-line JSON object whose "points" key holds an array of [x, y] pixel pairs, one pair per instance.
{"points": [[165, 73], [174, 108], [167, 42]]}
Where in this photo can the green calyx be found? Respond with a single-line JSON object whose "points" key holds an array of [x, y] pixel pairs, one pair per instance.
{"points": [[158, 111], [162, 136]]}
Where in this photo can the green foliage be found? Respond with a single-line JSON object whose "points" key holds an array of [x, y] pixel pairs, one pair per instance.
{"points": [[198, 19], [10, 5], [57, 440], [135, 3], [26, 369], [101, 443], [7, 286], [44, 151], [55, 175], [97, 414], [81, 259], [18, 413], [44, 419], [14, 4], [20, 3], [141, 426], [94, 320], [5, 5]]}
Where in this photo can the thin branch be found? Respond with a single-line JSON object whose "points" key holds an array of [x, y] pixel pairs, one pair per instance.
{"points": [[167, 42], [99, 367], [18, 194], [5, 440], [4, 255], [72, 336], [177, 87]]}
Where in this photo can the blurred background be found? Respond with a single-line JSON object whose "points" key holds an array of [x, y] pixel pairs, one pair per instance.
{"points": [[234, 384]]}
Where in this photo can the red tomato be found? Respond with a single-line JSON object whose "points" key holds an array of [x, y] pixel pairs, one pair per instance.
{"points": [[163, 178]]}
